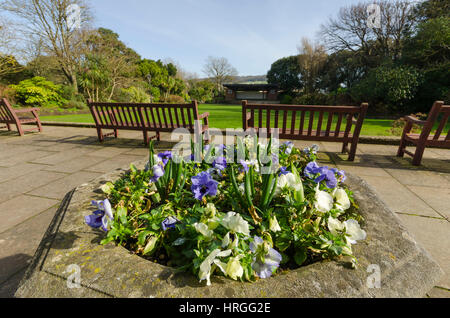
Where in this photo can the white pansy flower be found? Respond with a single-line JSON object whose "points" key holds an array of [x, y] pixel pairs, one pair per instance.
{"points": [[324, 201], [235, 223], [234, 269], [157, 159], [242, 188], [290, 181], [226, 240], [203, 229], [342, 200], [274, 225], [206, 268], [351, 228]]}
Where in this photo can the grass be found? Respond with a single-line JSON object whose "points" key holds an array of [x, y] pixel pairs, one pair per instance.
{"points": [[230, 116]]}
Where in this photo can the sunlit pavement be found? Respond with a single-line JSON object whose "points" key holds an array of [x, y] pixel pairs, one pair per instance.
{"points": [[37, 170]]}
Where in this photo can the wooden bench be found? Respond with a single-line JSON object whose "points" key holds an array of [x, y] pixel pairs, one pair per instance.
{"points": [[10, 116], [147, 118], [298, 122], [425, 138]]}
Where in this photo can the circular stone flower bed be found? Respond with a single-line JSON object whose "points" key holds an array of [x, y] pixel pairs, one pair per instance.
{"points": [[275, 210], [110, 270]]}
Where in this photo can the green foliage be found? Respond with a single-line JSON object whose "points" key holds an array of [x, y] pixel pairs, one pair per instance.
{"points": [[202, 91], [286, 73], [134, 94], [37, 91], [393, 86]]}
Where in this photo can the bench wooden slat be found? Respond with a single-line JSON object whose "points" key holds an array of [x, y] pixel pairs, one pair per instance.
{"points": [[313, 132], [302, 121], [311, 122], [145, 117]]}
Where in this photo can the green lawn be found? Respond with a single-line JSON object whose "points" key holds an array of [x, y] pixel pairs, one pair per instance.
{"points": [[230, 116]]}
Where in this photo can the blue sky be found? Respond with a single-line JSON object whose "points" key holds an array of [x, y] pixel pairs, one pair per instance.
{"points": [[251, 34]]}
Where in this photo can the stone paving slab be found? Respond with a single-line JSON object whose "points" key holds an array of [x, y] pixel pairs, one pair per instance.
{"points": [[58, 189], [437, 198], [75, 164], [27, 182], [400, 198], [21, 208], [426, 232], [24, 237]]}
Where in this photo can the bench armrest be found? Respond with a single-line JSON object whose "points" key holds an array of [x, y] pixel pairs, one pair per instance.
{"points": [[204, 115], [26, 110], [414, 120]]}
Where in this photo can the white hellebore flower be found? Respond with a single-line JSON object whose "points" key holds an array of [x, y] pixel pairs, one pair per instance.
{"points": [[342, 199], [208, 265], [324, 201], [351, 228], [203, 229], [235, 223]]}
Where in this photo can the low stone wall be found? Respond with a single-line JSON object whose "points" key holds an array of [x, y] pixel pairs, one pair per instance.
{"points": [[109, 271]]}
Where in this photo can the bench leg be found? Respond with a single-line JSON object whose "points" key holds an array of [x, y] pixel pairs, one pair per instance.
{"points": [[116, 133], [146, 140], [352, 153], [8, 126], [158, 136], [401, 148], [100, 134], [417, 159], [20, 130], [344, 147]]}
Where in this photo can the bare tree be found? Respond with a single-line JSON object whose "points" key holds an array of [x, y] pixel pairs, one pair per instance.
{"points": [[312, 57], [219, 70], [49, 22], [351, 30], [8, 62]]}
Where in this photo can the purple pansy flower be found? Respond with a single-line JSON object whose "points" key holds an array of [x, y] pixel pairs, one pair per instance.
{"points": [[102, 216], [169, 223], [288, 147], [158, 172], [203, 184], [266, 260], [165, 156], [341, 174], [283, 171], [312, 169], [220, 163], [329, 177]]}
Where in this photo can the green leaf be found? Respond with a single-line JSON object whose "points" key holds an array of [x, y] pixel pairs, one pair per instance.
{"points": [[122, 214], [300, 257], [151, 246]]}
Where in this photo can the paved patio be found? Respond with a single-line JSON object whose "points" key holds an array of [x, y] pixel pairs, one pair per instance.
{"points": [[36, 171]]}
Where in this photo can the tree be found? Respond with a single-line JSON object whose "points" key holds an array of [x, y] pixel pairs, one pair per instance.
{"points": [[109, 64], [202, 91], [311, 60], [219, 70], [351, 31], [286, 74], [47, 22], [8, 63]]}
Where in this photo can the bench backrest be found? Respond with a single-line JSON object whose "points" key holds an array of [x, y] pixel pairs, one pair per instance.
{"points": [[160, 117], [439, 109], [7, 114], [306, 122]]}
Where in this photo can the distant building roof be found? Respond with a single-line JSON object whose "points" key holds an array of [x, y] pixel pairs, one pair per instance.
{"points": [[251, 87]]}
